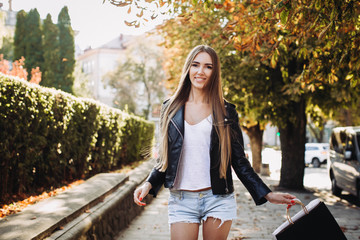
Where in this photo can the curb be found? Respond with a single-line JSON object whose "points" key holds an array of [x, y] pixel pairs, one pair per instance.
{"points": [[106, 219], [41, 219]]}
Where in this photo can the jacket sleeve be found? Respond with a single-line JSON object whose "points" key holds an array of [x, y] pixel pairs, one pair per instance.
{"points": [[241, 165], [157, 179]]}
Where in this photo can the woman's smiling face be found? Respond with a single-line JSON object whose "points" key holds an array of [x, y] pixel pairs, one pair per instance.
{"points": [[201, 70]]}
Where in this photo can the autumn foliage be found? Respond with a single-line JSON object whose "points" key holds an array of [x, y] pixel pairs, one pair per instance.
{"points": [[27, 199], [18, 70], [325, 33], [282, 59]]}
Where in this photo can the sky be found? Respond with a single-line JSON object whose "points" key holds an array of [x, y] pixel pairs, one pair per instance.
{"points": [[96, 22]]}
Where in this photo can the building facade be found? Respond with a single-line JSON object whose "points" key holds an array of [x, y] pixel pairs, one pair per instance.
{"points": [[7, 24], [97, 62]]}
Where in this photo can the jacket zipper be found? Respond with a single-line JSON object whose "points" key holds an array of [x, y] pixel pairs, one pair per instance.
{"points": [[226, 184], [177, 167]]}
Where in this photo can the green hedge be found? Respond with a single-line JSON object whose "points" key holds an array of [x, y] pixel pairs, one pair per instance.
{"points": [[48, 137]]}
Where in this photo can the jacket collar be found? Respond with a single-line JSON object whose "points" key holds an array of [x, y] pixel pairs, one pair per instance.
{"points": [[178, 119]]}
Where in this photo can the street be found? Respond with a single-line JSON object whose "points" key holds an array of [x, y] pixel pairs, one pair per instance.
{"points": [[314, 177], [257, 222], [317, 178]]}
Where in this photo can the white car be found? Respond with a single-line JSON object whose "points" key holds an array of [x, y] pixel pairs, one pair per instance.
{"points": [[316, 153]]}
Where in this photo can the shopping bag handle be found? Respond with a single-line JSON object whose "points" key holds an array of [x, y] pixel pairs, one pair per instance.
{"points": [[296, 201]]}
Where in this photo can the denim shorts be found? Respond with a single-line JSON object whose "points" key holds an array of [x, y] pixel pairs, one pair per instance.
{"points": [[192, 207]]}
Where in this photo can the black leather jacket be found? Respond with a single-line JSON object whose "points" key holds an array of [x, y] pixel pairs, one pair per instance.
{"points": [[240, 164]]}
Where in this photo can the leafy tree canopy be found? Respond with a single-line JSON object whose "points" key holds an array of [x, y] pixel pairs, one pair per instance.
{"points": [[291, 61], [67, 50], [20, 33], [51, 71], [139, 77], [327, 32]]}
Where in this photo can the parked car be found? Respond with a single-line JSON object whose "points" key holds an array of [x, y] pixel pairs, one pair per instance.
{"points": [[344, 160], [316, 154]]}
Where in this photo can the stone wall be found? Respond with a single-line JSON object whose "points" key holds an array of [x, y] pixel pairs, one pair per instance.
{"points": [[105, 220]]}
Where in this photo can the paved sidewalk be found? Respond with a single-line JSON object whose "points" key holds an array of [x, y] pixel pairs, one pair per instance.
{"points": [[254, 222]]}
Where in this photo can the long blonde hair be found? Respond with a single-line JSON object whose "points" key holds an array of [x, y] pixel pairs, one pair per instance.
{"points": [[214, 96]]}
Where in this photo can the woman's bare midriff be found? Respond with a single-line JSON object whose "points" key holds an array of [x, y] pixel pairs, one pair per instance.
{"points": [[198, 190]]}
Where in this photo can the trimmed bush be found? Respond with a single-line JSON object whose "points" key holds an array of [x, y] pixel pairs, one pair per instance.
{"points": [[48, 137]]}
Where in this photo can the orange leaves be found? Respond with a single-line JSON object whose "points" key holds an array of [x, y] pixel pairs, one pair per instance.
{"points": [[144, 10], [130, 23], [153, 16], [4, 65], [6, 210], [229, 6], [184, 18], [139, 15], [162, 3], [120, 3], [332, 76], [232, 23], [134, 23], [35, 75], [251, 42], [17, 70], [218, 6]]}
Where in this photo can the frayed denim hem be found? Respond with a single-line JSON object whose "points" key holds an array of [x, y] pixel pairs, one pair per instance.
{"points": [[216, 218], [204, 220], [184, 221]]}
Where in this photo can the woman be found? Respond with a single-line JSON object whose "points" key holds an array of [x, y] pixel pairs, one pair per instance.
{"points": [[200, 141]]}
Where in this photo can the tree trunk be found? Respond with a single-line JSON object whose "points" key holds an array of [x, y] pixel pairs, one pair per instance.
{"points": [[255, 134], [316, 132], [292, 137], [348, 118]]}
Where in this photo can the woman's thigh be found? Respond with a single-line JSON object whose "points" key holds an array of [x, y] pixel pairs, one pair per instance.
{"points": [[180, 231], [214, 229]]}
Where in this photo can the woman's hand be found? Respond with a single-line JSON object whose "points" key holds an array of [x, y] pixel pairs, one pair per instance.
{"points": [[280, 198], [141, 192]]}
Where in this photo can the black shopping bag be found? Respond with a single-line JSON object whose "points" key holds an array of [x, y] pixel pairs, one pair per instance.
{"points": [[313, 222]]}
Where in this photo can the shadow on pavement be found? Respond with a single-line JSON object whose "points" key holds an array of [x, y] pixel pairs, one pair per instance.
{"points": [[350, 198]]}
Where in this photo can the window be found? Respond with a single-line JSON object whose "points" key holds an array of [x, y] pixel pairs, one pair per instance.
{"points": [[88, 66], [334, 143], [350, 145], [312, 148], [343, 137]]}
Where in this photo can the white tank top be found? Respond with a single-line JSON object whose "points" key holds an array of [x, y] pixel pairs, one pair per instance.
{"points": [[194, 167]]}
